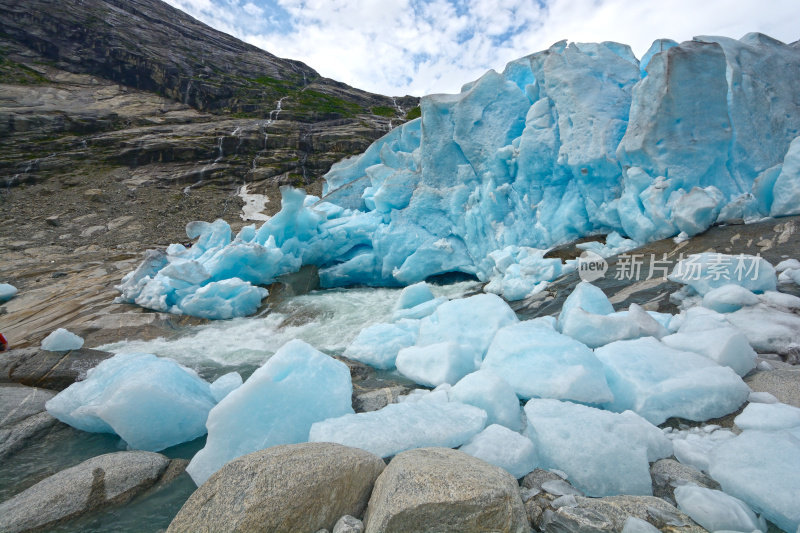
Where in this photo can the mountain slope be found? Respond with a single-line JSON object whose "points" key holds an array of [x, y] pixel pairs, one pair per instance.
{"points": [[112, 109]]}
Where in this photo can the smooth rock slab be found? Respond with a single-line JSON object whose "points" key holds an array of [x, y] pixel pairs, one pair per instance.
{"points": [[108, 479], [610, 513], [443, 490], [295, 487], [49, 370], [22, 416]]}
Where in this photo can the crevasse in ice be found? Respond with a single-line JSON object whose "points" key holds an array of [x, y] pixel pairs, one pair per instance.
{"points": [[577, 139]]}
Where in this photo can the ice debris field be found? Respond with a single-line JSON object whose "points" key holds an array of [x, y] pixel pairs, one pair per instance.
{"points": [[575, 140], [519, 394]]}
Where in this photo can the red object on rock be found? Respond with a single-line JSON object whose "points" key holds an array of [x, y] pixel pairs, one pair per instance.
{"points": [[3, 343]]}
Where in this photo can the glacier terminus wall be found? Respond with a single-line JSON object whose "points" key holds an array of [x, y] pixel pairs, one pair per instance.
{"points": [[575, 140]]}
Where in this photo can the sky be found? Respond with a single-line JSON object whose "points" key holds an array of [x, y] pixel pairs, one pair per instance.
{"points": [[417, 47]]}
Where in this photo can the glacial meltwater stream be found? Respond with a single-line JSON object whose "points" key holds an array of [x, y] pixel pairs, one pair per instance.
{"points": [[327, 319]]}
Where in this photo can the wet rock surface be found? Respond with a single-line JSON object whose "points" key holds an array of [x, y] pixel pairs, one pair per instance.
{"points": [[101, 481], [22, 416]]}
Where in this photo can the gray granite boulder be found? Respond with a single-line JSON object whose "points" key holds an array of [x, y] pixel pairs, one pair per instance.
{"points": [[444, 490], [294, 487]]}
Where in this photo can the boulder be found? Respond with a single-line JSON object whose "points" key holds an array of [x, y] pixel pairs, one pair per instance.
{"points": [[609, 514], [293, 487], [783, 384], [669, 473], [50, 370], [109, 479], [439, 489], [374, 400], [348, 524], [22, 416]]}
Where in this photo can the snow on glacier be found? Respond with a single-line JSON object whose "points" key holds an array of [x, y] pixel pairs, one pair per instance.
{"points": [[278, 403], [579, 139], [585, 442], [150, 402]]}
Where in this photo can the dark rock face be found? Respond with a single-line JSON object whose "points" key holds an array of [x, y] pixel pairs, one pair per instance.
{"points": [[51, 370], [118, 108]]}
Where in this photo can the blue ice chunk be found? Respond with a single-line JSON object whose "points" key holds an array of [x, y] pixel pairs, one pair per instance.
{"points": [[695, 211], [659, 382], [296, 387], [224, 299], [403, 426], [742, 208], [224, 385], [488, 391], [420, 311], [519, 271], [433, 364], [637, 525], [7, 291], [587, 297], [414, 295], [582, 441], [717, 511], [768, 417], [379, 344], [729, 298], [725, 346], [763, 188], [768, 482], [499, 446], [150, 402], [786, 192], [62, 340], [539, 362], [710, 270], [469, 322], [597, 330]]}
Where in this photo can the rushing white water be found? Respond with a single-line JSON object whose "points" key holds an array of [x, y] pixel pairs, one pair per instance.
{"points": [[328, 320]]}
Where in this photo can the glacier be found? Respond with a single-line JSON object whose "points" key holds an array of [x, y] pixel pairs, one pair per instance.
{"points": [[579, 139]]}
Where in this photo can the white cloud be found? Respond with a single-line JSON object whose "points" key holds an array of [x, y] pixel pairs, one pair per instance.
{"points": [[425, 46]]}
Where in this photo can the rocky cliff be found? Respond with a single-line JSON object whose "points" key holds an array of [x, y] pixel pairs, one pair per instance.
{"points": [[131, 116]]}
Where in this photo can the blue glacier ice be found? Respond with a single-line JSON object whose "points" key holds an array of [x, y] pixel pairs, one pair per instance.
{"points": [[726, 346], [379, 344], [403, 426], [296, 387], [583, 441], [499, 446], [488, 391], [62, 340], [579, 139], [762, 468], [659, 382], [729, 298], [432, 365], [539, 362], [150, 402], [709, 270], [717, 511], [7, 291], [414, 295], [224, 385], [768, 417]]}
